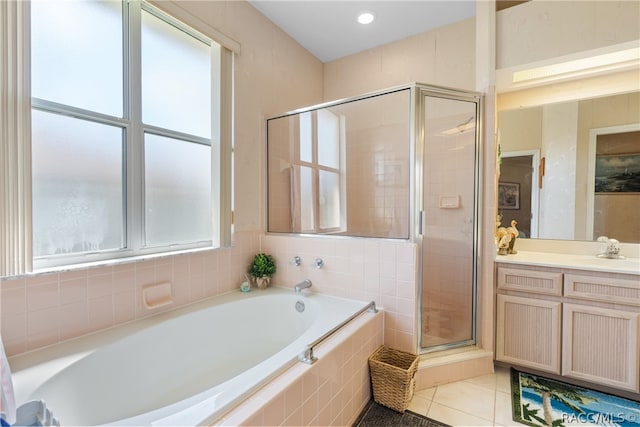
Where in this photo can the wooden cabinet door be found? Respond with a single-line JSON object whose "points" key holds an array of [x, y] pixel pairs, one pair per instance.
{"points": [[528, 332], [601, 345]]}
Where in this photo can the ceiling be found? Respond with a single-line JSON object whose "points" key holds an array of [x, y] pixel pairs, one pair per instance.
{"points": [[329, 29]]}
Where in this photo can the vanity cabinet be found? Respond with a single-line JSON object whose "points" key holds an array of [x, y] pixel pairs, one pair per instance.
{"points": [[573, 323], [528, 326], [529, 332], [600, 345]]}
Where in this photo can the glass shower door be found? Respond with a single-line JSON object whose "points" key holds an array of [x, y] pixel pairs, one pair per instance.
{"points": [[449, 217]]}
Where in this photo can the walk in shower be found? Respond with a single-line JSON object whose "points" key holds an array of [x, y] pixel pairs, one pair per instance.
{"points": [[449, 187], [401, 163]]}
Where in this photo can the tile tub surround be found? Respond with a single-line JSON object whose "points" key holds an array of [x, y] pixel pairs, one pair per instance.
{"points": [[359, 268], [331, 392], [43, 309]]}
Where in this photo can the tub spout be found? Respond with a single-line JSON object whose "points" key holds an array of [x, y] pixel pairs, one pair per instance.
{"points": [[302, 285]]}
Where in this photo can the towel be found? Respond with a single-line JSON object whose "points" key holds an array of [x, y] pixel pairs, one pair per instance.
{"points": [[7, 398], [35, 414], [32, 413]]}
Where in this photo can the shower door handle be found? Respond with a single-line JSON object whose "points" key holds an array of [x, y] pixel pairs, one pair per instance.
{"points": [[421, 225]]}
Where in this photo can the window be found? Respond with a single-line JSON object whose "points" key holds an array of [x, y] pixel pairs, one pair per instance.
{"points": [[321, 181], [126, 138]]}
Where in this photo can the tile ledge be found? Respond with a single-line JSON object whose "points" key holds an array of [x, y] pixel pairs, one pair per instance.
{"points": [[453, 356]]}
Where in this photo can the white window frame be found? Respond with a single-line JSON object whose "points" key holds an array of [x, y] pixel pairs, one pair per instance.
{"points": [[316, 167], [131, 123]]}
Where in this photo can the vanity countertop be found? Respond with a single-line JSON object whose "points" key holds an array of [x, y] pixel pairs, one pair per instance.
{"points": [[581, 262]]}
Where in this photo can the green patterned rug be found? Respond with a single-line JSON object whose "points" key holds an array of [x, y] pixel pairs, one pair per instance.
{"points": [[539, 401]]}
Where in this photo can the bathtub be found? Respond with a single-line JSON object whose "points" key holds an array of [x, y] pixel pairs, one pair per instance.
{"points": [[182, 367]]}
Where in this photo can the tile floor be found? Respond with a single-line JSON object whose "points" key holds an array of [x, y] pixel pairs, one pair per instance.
{"points": [[480, 401]]}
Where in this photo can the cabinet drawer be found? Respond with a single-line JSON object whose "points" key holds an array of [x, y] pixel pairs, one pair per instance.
{"points": [[605, 289], [532, 281]]}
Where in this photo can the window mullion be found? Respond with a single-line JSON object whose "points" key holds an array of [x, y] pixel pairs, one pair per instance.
{"points": [[315, 188], [135, 136], [177, 135], [79, 113]]}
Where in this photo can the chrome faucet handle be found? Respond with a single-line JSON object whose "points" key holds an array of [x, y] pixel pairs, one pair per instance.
{"points": [[297, 261], [319, 263]]}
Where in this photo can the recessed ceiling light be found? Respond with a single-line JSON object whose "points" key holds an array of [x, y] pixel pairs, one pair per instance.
{"points": [[366, 17]]}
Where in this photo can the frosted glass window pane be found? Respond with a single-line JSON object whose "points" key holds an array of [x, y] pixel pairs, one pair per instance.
{"points": [[328, 139], [176, 78], [177, 191], [306, 154], [329, 199], [77, 185], [306, 199], [76, 54]]}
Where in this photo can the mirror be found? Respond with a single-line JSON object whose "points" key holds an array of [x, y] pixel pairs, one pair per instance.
{"points": [[342, 168], [571, 170]]}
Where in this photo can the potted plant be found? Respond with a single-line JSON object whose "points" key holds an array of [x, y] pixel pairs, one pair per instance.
{"points": [[262, 268]]}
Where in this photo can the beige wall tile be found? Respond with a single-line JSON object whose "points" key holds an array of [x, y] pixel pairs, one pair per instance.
{"points": [[74, 319]]}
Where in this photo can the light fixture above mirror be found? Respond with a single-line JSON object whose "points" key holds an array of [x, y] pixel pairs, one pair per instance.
{"points": [[581, 65]]}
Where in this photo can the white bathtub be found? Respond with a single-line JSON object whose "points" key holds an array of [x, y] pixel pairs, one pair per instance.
{"points": [[184, 367]]}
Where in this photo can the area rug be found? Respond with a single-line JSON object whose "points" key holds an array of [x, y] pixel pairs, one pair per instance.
{"points": [[539, 401], [376, 415]]}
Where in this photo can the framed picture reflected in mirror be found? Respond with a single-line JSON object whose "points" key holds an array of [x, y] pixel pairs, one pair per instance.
{"points": [[508, 195]]}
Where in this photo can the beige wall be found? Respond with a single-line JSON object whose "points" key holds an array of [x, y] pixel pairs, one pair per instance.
{"points": [[444, 57], [542, 29], [520, 129]]}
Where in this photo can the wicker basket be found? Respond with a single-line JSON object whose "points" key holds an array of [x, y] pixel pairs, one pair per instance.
{"points": [[392, 377]]}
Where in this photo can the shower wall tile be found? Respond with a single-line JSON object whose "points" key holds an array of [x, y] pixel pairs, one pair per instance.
{"points": [[43, 309]]}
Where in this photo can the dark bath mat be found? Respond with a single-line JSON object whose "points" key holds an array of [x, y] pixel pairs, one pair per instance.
{"points": [[375, 415]]}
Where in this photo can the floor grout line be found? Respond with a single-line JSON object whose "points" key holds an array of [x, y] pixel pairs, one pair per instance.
{"points": [[455, 406]]}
